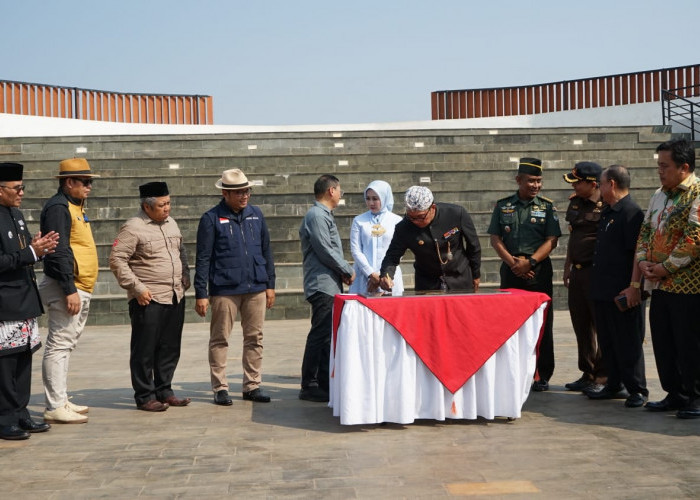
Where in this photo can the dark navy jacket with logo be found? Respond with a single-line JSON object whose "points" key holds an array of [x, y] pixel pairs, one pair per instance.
{"points": [[233, 253]]}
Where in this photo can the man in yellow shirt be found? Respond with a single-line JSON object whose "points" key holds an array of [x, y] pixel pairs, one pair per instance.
{"points": [[69, 279]]}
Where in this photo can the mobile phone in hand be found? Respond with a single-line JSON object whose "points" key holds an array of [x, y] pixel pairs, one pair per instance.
{"points": [[621, 302]]}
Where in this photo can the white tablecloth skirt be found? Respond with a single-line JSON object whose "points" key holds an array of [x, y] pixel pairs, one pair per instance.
{"points": [[377, 377]]}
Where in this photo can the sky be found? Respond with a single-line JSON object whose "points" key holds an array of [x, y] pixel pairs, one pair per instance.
{"points": [[329, 62]]}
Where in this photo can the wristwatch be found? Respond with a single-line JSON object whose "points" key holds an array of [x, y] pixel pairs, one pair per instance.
{"points": [[635, 284], [532, 262]]}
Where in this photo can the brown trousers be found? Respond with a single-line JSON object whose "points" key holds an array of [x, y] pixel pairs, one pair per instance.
{"points": [[223, 315]]}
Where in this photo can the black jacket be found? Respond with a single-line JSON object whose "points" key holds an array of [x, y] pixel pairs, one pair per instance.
{"points": [[452, 225], [19, 295]]}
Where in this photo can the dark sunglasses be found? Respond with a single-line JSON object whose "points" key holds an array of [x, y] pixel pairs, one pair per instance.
{"points": [[85, 182]]}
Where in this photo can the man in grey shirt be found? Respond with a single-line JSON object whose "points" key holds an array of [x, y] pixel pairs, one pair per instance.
{"points": [[325, 271]]}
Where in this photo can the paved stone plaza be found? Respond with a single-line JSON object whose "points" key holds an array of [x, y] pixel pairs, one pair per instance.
{"points": [[564, 446]]}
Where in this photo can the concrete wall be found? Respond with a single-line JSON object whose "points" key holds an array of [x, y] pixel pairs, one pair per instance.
{"points": [[636, 114]]}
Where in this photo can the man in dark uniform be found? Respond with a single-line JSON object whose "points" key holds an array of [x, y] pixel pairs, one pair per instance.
{"points": [[616, 274], [524, 230], [20, 306], [443, 240], [583, 214]]}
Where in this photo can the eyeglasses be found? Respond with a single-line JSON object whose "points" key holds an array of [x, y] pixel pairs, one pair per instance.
{"points": [[418, 218], [19, 188], [241, 192], [85, 182], [342, 193]]}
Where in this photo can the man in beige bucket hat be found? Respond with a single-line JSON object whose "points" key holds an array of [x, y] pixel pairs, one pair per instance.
{"points": [[234, 273], [70, 275]]}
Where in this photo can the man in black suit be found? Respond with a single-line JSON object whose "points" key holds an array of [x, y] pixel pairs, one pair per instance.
{"points": [[619, 318], [20, 306]]}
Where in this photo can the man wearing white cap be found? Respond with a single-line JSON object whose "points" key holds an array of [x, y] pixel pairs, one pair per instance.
{"points": [[70, 275], [235, 273], [443, 240]]}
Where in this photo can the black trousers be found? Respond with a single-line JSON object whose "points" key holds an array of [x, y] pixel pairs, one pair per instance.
{"points": [[621, 335], [581, 310], [156, 335], [314, 367], [675, 336], [15, 386], [542, 282]]}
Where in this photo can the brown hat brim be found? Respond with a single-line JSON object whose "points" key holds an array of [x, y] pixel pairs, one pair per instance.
{"points": [[76, 173]]}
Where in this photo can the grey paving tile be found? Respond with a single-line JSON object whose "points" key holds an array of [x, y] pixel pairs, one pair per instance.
{"points": [[564, 444]]}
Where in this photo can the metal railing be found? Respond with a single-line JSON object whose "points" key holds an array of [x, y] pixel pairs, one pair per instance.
{"points": [[679, 110], [613, 90], [36, 99]]}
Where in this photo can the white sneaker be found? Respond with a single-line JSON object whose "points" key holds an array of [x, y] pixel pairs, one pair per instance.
{"points": [[77, 408], [64, 416]]}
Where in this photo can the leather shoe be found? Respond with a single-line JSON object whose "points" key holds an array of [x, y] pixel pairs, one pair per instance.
{"points": [[540, 386], [13, 433], [173, 401], [153, 405], [30, 425], [315, 394], [635, 400], [579, 385], [606, 392], [668, 403], [688, 413], [221, 398], [256, 395]]}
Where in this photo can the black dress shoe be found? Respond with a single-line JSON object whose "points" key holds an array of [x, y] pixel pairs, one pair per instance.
{"points": [[315, 394], [635, 400], [687, 413], [13, 432], [668, 403], [30, 425], [606, 392], [221, 398], [256, 395], [540, 386], [579, 385]]}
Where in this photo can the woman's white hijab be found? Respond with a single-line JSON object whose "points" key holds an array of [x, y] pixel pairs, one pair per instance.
{"points": [[383, 190]]}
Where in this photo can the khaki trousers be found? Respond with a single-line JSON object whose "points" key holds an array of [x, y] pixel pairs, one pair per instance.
{"points": [[223, 315], [64, 331]]}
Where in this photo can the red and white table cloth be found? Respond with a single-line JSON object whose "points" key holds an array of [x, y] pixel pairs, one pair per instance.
{"points": [[398, 359]]}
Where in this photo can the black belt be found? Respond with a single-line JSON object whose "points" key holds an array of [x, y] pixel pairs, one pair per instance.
{"points": [[583, 265]]}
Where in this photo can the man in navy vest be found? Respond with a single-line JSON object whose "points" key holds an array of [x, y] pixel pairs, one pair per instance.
{"points": [[234, 273]]}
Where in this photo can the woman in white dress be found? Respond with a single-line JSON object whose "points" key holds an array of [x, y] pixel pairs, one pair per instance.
{"points": [[370, 235]]}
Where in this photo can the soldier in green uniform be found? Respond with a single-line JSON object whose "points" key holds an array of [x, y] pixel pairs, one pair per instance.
{"points": [[583, 214], [524, 230]]}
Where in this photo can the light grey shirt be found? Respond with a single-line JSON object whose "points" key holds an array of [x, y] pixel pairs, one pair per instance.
{"points": [[322, 250]]}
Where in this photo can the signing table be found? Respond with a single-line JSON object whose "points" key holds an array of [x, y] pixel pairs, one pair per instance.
{"points": [[397, 359]]}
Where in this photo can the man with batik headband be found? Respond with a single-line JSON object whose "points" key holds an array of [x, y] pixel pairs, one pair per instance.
{"points": [[70, 275], [150, 262], [443, 240], [524, 230], [20, 306]]}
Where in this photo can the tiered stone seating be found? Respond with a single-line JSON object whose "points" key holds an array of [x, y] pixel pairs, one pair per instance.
{"points": [[470, 167]]}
